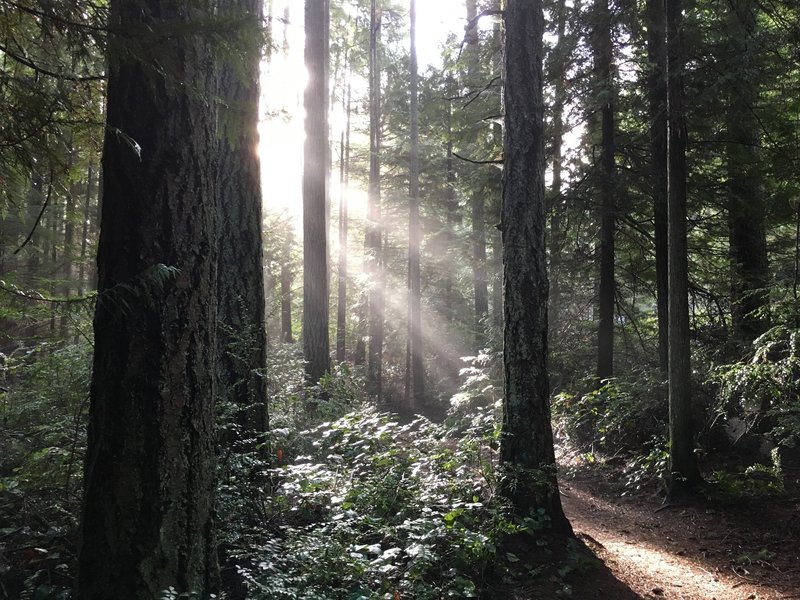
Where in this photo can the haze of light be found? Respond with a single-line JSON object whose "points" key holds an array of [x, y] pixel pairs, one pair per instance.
{"points": [[283, 80]]}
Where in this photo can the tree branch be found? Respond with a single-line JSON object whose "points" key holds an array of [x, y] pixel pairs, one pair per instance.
{"points": [[478, 162]]}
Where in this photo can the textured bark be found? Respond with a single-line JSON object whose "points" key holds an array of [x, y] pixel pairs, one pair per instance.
{"points": [[374, 235], [416, 364], [316, 345], [527, 439], [746, 202], [604, 64], [683, 467], [149, 471], [241, 341], [657, 94]]}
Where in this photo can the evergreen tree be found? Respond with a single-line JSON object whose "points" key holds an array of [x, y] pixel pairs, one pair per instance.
{"points": [[150, 467]]}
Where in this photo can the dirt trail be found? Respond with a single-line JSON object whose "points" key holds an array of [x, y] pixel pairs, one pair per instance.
{"points": [[694, 553]]}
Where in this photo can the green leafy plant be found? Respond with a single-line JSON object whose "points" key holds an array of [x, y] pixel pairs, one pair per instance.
{"points": [[761, 395], [378, 508]]}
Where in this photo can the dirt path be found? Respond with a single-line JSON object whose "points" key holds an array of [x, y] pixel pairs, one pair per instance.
{"points": [[743, 553]]}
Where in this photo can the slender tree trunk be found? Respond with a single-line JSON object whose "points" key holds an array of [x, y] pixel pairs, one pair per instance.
{"points": [[479, 277], [147, 518], [316, 347], [497, 245], [560, 59], [344, 179], [452, 220], [87, 215], [607, 292], [287, 280], [56, 219], [746, 209], [374, 226], [241, 340], [657, 93], [478, 200], [683, 467], [417, 376], [526, 449]]}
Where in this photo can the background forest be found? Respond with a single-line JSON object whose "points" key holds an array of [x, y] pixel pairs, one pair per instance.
{"points": [[359, 390]]}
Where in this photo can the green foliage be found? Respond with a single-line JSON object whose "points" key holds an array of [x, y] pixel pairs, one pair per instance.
{"points": [[379, 508], [648, 468], [621, 416], [44, 416], [42, 443], [481, 385], [762, 394]]}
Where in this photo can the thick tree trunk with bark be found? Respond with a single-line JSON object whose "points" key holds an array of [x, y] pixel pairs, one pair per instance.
{"points": [[316, 345], [241, 339], [604, 56], [526, 450], [683, 466], [657, 95], [147, 519]]}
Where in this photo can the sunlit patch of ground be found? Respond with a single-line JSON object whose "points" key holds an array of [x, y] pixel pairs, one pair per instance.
{"points": [[673, 554]]}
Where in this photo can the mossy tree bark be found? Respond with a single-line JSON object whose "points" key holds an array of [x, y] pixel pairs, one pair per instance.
{"points": [[150, 469], [526, 450]]}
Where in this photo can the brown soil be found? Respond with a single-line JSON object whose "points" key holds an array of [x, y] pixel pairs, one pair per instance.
{"points": [[748, 550]]}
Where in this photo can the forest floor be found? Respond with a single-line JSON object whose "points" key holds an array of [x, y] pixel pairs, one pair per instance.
{"points": [[747, 549]]}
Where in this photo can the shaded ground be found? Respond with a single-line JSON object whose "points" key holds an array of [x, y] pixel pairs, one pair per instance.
{"points": [[744, 551]]}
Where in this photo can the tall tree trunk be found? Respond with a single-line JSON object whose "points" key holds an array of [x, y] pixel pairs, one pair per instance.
{"points": [[479, 277], [316, 349], [478, 200], [657, 95], [526, 449], [147, 518], [746, 204], [241, 339], [683, 467], [374, 225], [497, 245], [344, 180], [560, 59], [604, 64], [68, 255], [56, 218], [287, 280], [417, 375], [452, 220], [87, 215]]}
